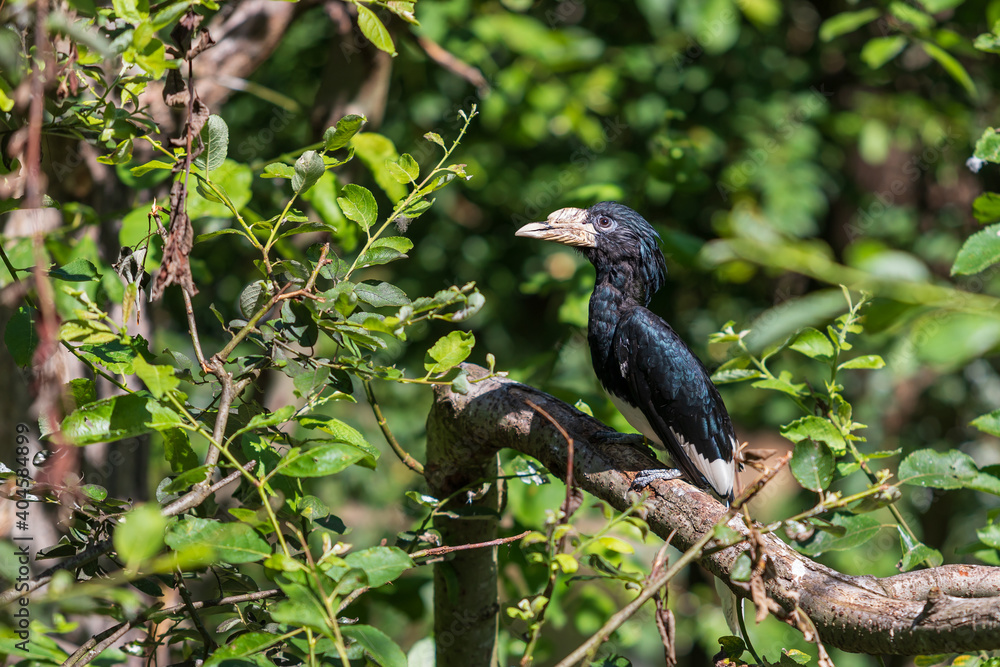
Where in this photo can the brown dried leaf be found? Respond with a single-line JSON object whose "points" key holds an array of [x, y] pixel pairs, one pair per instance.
{"points": [[203, 43], [176, 267], [175, 90], [184, 30]]}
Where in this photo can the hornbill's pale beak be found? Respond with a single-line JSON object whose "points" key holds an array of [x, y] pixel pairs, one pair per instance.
{"points": [[567, 225]]}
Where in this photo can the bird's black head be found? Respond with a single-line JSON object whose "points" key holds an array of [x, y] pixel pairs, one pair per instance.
{"points": [[618, 242]]}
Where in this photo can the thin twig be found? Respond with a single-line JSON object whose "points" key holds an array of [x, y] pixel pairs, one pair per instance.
{"points": [[453, 63], [403, 455], [437, 551], [208, 644]]}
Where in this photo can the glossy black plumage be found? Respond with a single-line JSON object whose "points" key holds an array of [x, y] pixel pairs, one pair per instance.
{"points": [[660, 386]]}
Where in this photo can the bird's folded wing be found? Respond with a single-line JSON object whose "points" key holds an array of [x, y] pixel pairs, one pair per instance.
{"points": [[675, 393]]}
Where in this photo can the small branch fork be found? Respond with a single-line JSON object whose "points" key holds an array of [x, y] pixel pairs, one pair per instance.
{"points": [[937, 610]]}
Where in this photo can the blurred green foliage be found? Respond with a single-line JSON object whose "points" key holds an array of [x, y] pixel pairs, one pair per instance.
{"points": [[780, 148]]}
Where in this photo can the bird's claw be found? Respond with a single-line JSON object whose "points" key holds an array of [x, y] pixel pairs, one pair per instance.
{"points": [[646, 477]]}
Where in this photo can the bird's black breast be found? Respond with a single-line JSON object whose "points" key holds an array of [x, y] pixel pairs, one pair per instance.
{"points": [[641, 360]]}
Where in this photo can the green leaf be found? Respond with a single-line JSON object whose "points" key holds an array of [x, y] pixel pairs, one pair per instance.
{"points": [[78, 271], [986, 207], [268, 419], [339, 432], [278, 170], [742, 569], [86, 332], [404, 170], [321, 460], [340, 136], [159, 380], [952, 66], [215, 136], [185, 480], [308, 169], [460, 385], [813, 344], [177, 450], [936, 6], [118, 417], [989, 535], [434, 137], [812, 465], [121, 154], [880, 50], [912, 15], [851, 531], [791, 657], [117, 356], [253, 297], [735, 375], [988, 42], [846, 22], [358, 204], [233, 180], [139, 534], [916, 553], [94, 492], [981, 250], [152, 165], [381, 295], [449, 351], [128, 10], [82, 390], [816, 429], [381, 564], [782, 383], [988, 146], [946, 470], [373, 149], [867, 361], [248, 646], [20, 336], [301, 611], [384, 250], [232, 542], [373, 29], [988, 423]]}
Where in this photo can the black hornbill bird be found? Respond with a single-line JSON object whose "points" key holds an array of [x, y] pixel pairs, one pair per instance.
{"points": [[654, 379]]}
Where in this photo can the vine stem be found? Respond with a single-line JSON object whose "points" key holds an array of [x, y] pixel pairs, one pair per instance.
{"points": [[403, 455]]}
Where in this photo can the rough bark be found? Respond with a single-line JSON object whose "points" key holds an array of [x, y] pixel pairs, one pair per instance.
{"points": [[938, 610], [466, 609]]}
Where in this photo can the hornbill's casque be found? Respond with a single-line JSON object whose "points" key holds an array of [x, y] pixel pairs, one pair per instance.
{"points": [[654, 379]]}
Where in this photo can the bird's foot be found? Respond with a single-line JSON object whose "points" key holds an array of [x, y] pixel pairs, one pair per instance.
{"points": [[646, 477]]}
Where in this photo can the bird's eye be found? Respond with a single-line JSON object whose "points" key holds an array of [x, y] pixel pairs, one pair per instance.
{"points": [[604, 222]]}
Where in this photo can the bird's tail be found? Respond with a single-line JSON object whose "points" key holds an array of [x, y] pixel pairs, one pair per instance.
{"points": [[732, 608]]}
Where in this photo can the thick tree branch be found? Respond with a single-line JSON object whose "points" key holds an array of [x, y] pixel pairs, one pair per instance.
{"points": [[938, 610]]}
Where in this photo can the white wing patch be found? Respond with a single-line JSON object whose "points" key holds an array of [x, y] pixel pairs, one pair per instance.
{"points": [[634, 416], [719, 472]]}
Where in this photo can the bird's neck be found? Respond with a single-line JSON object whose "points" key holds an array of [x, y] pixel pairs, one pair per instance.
{"points": [[626, 283]]}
